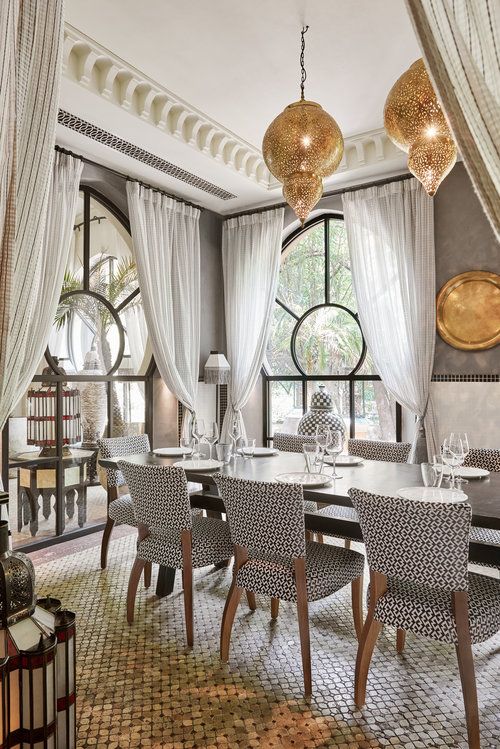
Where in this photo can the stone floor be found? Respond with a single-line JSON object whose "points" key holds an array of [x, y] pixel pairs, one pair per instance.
{"points": [[140, 687]]}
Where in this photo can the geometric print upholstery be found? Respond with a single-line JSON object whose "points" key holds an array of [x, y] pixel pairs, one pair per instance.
{"points": [[338, 511], [391, 452], [159, 494], [114, 447], [291, 443], [419, 542], [266, 518], [328, 569], [121, 510], [211, 543], [483, 457], [429, 612], [486, 536]]}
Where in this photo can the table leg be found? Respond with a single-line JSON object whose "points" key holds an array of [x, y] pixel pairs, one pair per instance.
{"points": [[70, 503], [81, 503], [34, 508], [46, 497], [165, 582]]}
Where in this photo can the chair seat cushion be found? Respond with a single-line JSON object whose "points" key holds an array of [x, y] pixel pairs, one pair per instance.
{"points": [[328, 568], [310, 506], [121, 510], [343, 513], [211, 544], [428, 611]]}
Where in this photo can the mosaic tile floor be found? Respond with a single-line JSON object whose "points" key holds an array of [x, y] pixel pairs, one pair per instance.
{"points": [[139, 687]]}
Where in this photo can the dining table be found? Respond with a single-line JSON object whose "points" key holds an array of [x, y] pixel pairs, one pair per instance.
{"points": [[378, 477]]}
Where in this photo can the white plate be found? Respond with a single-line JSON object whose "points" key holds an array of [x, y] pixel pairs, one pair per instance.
{"points": [[173, 452], [466, 472], [432, 494], [345, 460], [310, 480], [199, 465], [260, 452]]}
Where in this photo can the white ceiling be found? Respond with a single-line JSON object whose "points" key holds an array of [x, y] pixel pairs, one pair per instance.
{"points": [[238, 60]]}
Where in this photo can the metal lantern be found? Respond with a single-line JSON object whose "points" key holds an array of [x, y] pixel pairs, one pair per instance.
{"points": [[37, 660], [416, 123], [302, 145]]}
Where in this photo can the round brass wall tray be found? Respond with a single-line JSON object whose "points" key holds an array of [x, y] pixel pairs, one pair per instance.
{"points": [[468, 311]]}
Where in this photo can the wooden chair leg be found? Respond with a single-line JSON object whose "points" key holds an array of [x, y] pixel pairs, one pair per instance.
{"points": [[357, 605], [309, 535], [187, 584], [105, 542], [466, 667], [347, 543], [232, 601], [303, 616], [400, 640], [147, 574], [369, 637], [275, 605], [319, 538], [135, 576], [252, 603]]}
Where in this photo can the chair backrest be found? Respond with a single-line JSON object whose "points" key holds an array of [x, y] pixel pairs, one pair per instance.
{"points": [[264, 517], [484, 457], [159, 495], [420, 542], [291, 443], [116, 447], [392, 452]]}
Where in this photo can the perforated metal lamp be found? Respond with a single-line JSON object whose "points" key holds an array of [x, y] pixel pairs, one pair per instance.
{"points": [[217, 372]]}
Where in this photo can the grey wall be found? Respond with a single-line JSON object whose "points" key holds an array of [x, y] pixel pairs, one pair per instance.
{"points": [[464, 241]]}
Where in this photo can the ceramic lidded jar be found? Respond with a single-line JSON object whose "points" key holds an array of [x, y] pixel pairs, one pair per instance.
{"points": [[320, 412]]}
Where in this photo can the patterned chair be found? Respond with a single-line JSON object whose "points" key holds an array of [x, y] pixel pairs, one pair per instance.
{"points": [[273, 558], [168, 532], [120, 507], [392, 452], [489, 459], [418, 554]]}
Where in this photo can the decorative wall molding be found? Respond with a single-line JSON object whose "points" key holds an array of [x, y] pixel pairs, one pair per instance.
{"points": [[465, 378], [96, 133], [98, 70]]}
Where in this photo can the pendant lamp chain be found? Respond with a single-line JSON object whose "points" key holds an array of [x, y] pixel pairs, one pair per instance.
{"points": [[303, 73]]}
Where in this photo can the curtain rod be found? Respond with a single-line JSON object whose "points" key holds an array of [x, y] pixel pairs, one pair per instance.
{"points": [[128, 178], [339, 191]]}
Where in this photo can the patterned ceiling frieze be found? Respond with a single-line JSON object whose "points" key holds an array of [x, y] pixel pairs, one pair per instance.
{"points": [[100, 71]]}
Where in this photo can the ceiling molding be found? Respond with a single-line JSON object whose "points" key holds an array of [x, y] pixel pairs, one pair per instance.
{"points": [[98, 70]]}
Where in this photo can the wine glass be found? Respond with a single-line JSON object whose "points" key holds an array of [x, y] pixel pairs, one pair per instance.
{"points": [[211, 435], [334, 448], [465, 451], [198, 432], [322, 438], [235, 436], [451, 453]]}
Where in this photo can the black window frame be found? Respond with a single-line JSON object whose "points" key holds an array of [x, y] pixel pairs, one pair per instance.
{"points": [[352, 378], [58, 379]]}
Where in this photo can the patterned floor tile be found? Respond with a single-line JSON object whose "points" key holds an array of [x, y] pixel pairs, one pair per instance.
{"points": [[139, 686]]}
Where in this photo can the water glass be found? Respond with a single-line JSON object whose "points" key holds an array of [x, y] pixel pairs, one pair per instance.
{"points": [[223, 452], [310, 455], [429, 474], [439, 469], [322, 438], [186, 444], [452, 454], [247, 448]]}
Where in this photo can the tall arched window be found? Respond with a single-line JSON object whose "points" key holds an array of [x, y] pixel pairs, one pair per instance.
{"points": [[316, 338], [95, 380]]}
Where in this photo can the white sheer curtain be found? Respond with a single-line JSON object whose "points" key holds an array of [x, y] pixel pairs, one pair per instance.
{"points": [[47, 278], [390, 231], [251, 251], [166, 239], [460, 40], [30, 66]]}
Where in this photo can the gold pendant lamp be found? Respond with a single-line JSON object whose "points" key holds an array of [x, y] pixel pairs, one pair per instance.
{"points": [[302, 145], [415, 122]]}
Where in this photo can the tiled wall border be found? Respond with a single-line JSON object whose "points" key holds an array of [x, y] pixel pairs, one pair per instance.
{"points": [[466, 378]]}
